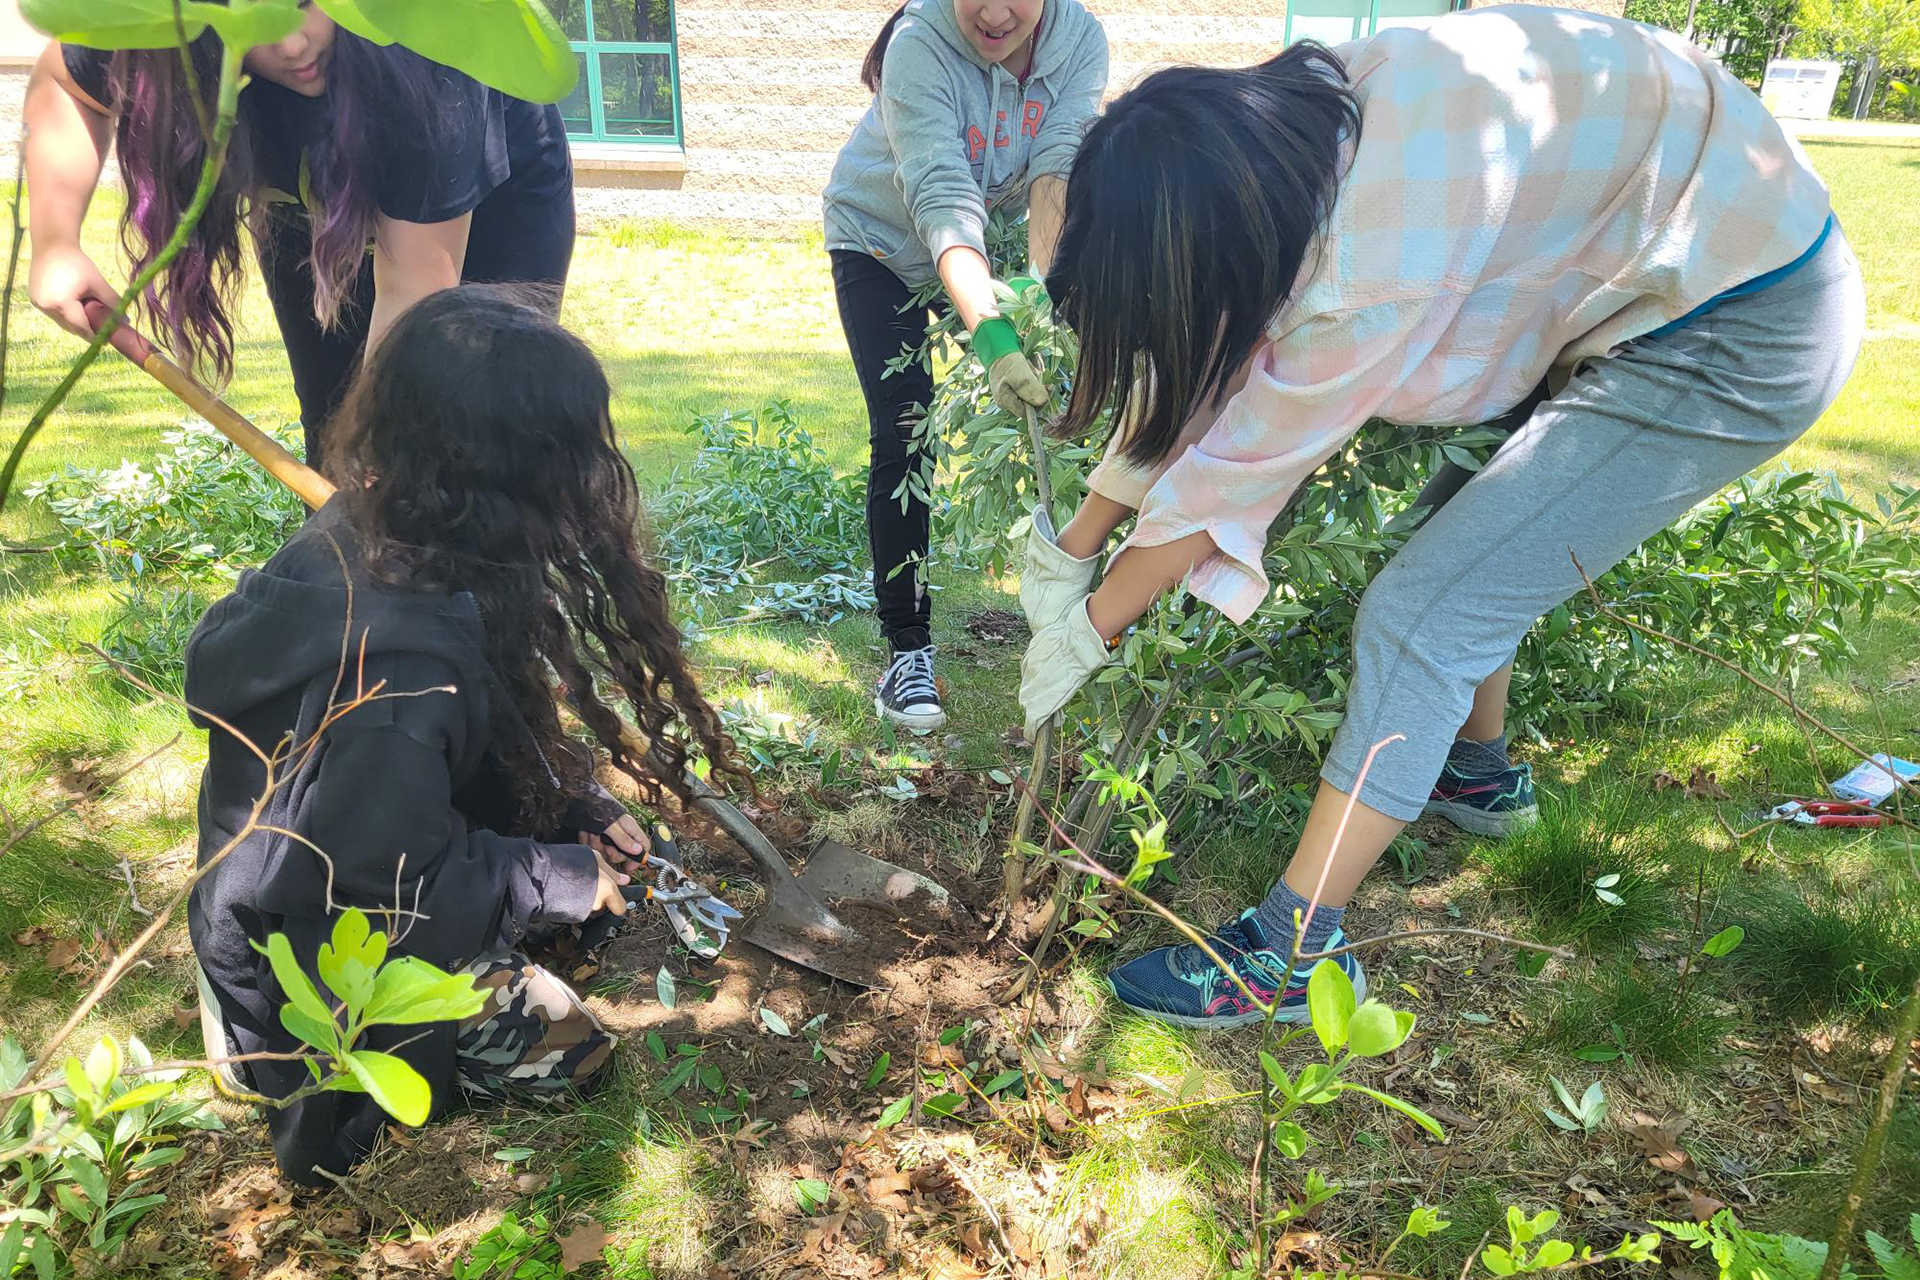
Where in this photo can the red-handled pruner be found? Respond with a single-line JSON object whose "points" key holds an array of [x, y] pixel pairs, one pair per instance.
{"points": [[1829, 813]]}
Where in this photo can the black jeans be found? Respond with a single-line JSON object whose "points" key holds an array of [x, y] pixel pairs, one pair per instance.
{"points": [[880, 321], [508, 243]]}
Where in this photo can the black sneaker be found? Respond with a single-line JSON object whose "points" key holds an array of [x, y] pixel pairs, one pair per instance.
{"points": [[907, 694]]}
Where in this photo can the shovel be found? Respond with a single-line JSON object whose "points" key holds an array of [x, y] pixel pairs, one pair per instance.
{"points": [[803, 918]]}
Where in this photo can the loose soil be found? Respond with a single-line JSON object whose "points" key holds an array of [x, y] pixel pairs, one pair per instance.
{"points": [[908, 1199]]}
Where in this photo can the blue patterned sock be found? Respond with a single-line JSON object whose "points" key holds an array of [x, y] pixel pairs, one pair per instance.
{"points": [[1275, 914], [1479, 758]]}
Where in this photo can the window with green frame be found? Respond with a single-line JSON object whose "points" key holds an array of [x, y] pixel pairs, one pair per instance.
{"points": [[1336, 21], [629, 90]]}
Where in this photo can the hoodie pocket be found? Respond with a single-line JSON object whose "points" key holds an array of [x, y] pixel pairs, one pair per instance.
{"points": [[884, 242]]}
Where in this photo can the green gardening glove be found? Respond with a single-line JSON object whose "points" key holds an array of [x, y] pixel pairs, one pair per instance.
{"points": [[1013, 379]]}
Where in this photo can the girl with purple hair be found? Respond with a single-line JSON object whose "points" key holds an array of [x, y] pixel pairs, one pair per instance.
{"points": [[341, 146]]}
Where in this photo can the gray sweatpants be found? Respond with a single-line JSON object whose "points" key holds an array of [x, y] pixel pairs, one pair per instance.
{"points": [[1627, 447]]}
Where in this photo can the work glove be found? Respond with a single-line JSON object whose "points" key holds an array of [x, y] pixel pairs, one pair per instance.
{"points": [[1059, 659], [1051, 581], [1013, 379]]}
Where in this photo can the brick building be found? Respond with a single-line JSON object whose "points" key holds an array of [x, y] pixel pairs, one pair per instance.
{"points": [[732, 110]]}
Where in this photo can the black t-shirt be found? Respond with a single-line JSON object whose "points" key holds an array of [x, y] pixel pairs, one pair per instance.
{"points": [[459, 147], [478, 147]]}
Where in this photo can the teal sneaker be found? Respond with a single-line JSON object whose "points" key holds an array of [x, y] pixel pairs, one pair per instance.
{"points": [[1487, 804], [1180, 985]]}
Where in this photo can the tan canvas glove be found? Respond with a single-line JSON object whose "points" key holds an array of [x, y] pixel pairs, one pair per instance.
{"points": [[1051, 581], [1058, 661]]}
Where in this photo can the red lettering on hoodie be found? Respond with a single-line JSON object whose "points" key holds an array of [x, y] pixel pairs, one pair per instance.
{"points": [[976, 143], [1030, 118], [1000, 138]]}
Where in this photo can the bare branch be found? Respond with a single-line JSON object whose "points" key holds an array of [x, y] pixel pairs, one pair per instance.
{"points": [[182, 1064], [1093, 867], [15, 837], [1402, 935], [133, 894]]}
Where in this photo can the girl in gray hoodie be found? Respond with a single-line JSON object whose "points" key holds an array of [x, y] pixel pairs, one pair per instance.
{"points": [[978, 106]]}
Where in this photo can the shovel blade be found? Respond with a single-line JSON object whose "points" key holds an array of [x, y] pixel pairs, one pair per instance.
{"points": [[834, 872], [800, 922]]}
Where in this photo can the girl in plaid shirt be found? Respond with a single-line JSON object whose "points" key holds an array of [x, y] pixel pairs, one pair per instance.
{"points": [[1423, 227]]}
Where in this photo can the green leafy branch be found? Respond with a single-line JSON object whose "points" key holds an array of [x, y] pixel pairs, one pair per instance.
{"points": [[373, 991]]}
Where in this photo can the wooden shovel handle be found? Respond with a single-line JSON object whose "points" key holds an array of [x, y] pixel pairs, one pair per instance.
{"points": [[312, 487]]}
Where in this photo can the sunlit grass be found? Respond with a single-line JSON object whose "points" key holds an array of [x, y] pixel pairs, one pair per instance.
{"points": [[1155, 1191], [1597, 865]]}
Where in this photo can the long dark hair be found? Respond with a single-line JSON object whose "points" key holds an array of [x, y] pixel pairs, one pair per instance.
{"points": [[161, 146], [1190, 208], [876, 59], [477, 454]]}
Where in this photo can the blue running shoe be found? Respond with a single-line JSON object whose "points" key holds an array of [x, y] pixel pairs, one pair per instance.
{"points": [[1182, 986], [1487, 804]]}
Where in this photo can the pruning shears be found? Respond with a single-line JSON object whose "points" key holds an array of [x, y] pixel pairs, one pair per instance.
{"points": [[690, 907], [1828, 813]]}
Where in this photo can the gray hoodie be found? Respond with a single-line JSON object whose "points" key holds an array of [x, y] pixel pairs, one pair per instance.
{"points": [[951, 137]]}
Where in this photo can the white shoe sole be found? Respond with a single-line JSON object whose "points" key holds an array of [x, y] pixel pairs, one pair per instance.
{"points": [[1237, 1020], [918, 722], [1478, 821], [218, 1047]]}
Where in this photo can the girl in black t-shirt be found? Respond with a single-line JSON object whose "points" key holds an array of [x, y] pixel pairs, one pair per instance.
{"points": [[340, 145]]}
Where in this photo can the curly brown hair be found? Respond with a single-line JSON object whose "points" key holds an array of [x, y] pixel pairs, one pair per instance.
{"points": [[476, 452]]}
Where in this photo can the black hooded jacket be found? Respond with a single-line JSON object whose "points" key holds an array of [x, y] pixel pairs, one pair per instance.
{"points": [[401, 793]]}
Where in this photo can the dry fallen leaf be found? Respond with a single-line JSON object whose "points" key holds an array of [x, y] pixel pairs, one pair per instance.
{"points": [[63, 953], [1659, 1141], [33, 936], [890, 1190], [416, 1255], [1704, 786], [582, 1245], [1586, 1192], [938, 1055], [1702, 1205]]}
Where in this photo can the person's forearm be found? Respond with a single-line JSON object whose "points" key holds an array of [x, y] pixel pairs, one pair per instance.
{"points": [[410, 261], [1140, 575], [66, 146], [388, 302], [1046, 210], [969, 283], [1092, 525]]}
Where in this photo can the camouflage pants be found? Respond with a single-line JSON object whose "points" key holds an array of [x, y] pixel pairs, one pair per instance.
{"points": [[533, 1036]]}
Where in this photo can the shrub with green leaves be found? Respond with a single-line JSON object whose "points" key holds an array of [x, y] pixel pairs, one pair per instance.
{"points": [[1521, 1255], [373, 991], [76, 1161], [760, 528], [513, 1249]]}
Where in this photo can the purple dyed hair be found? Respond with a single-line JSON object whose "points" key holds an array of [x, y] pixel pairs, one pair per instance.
{"points": [[162, 148]]}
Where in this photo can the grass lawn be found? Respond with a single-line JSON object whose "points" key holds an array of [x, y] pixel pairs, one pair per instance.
{"points": [[1758, 1068]]}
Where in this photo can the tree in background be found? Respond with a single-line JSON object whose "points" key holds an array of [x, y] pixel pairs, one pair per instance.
{"points": [[1745, 34], [1868, 35]]}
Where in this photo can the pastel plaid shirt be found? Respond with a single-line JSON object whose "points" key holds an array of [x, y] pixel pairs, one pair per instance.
{"points": [[1532, 187]]}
